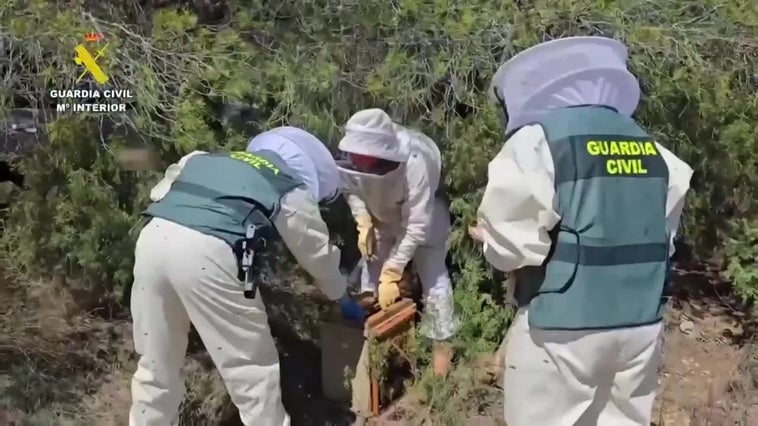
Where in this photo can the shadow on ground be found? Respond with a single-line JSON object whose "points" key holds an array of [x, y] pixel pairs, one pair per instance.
{"points": [[294, 322]]}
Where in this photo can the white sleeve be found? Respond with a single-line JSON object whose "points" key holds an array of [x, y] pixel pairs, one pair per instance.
{"points": [[680, 174], [305, 234], [517, 209], [417, 212], [357, 205], [172, 172]]}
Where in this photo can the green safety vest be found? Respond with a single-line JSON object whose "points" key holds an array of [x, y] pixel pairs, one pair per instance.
{"points": [[221, 194], [609, 261]]}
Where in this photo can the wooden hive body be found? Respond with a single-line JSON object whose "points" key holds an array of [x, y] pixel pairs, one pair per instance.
{"points": [[345, 348]]}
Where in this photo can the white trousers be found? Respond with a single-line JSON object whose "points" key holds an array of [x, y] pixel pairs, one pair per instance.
{"points": [[582, 378], [429, 262], [181, 275]]}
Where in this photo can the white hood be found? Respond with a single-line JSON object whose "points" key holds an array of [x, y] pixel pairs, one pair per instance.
{"points": [[371, 132], [566, 72], [306, 155]]}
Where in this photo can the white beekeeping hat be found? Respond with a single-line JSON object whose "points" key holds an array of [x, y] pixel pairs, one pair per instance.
{"points": [[371, 132], [565, 72]]}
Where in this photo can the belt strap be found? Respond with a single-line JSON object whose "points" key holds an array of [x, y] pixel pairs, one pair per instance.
{"points": [[610, 255]]}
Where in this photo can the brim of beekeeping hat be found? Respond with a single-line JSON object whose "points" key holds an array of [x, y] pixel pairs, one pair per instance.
{"points": [[374, 144], [566, 72]]}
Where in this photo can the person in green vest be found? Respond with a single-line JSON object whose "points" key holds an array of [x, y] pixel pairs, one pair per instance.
{"points": [[190, 266], [581, 207]]}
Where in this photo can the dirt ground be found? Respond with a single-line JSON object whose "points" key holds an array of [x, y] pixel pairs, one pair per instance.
{"points": [[709, 375], [65, 364]]}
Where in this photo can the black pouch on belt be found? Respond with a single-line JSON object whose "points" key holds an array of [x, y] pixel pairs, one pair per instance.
{"points": [[245, 250]]}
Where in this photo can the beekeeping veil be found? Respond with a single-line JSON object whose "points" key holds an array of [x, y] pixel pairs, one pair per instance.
{"points": [[306, 155], [566, 72]]}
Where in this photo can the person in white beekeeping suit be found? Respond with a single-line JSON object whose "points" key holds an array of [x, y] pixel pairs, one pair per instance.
{"points": [[582, 205], [208, 213], [393, 186]]}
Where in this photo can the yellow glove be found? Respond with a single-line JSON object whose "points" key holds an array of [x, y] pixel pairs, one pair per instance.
{"points": [[389, 290], [366, 241]]}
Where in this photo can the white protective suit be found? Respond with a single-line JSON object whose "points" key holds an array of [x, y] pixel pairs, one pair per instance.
{"points": [[411, 220], [561, 377], [183, 276]]}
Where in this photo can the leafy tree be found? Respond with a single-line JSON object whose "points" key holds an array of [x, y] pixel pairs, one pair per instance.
{"points": [[211, 78]]}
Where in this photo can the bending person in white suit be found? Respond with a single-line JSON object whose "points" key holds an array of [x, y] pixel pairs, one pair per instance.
{"points": [[189, 267], [583, 206], [393, 186]]}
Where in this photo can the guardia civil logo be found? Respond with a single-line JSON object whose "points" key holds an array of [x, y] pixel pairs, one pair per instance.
{"points": [[94, 91]]}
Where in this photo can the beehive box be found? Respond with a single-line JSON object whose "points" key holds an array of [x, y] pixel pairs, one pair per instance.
{"points": [[345, 353]]}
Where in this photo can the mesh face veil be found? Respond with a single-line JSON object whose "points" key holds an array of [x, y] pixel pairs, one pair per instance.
{"points": [[363, 162], [504, 111]]}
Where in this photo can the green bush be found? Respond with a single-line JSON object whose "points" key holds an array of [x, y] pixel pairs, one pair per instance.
{"points": [[741, 252], [313, 64]]}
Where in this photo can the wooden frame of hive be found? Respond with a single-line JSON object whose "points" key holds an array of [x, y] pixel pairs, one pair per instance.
{"points": [[379, 327], [345, 346]]}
